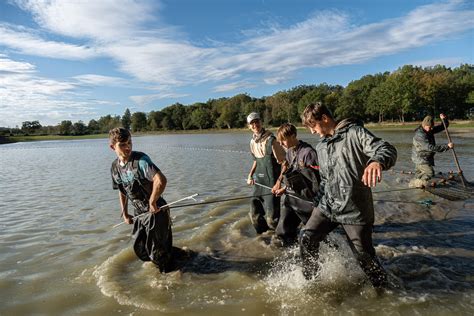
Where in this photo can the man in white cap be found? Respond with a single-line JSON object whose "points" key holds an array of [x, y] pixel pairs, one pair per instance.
{"points": [[268, 155]]}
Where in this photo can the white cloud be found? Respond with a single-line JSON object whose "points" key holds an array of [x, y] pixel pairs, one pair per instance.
{"points": [[99, 80], [26, 41], [142, 100], [103, 20], [233, 86], [8, 65], [161, 56], [24, 95]]}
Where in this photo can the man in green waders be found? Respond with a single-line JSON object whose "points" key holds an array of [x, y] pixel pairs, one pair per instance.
{"points": [[268, 155]]}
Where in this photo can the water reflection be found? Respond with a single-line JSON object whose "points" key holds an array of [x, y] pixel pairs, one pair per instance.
{"points": [[60, 255]]}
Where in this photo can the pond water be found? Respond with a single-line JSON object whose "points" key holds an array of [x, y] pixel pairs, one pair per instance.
{"points": [[60, 255]]}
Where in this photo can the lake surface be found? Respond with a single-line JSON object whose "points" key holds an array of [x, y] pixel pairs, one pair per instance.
{"points": [[60, 255]]}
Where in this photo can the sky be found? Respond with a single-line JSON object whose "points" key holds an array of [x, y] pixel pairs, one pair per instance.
{"points": [[83, 59]]}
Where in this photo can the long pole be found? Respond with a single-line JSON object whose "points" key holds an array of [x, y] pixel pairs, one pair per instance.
{"points": [[293, 196], [454, 154], [185, 198]]}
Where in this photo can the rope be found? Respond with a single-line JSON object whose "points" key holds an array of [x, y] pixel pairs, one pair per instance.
{"points": [[395, 190], [218, 201]]}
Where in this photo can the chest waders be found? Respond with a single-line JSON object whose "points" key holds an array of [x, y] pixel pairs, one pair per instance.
{"points": [[264, 208], [153, 232]]}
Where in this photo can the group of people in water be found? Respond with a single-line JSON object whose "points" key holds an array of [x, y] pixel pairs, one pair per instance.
{"points": [[324, 187]]}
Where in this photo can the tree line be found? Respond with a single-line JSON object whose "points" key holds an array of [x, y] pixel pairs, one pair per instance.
{"points": [[407, 94]]}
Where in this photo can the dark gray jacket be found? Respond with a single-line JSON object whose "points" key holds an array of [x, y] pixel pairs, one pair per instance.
{"points": [[342, 160], [424, 145]]}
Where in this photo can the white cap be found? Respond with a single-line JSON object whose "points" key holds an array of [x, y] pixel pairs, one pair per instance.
{"points": [[253, 116]]}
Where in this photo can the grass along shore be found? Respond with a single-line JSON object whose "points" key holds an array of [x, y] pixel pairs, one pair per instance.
{"points": [[458, 126]]}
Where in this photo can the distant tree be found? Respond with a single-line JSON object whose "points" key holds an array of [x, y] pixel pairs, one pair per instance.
{"points": [[30, 127], [201, 116], [154, 119], [139, 122], [127, 119], [106, 123], [93, 127], [354, 98], [281, 108], [79, 128], [65, 128]]}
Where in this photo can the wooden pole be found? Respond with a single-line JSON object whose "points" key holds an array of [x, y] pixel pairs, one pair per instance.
{"points": [[454, 154]]}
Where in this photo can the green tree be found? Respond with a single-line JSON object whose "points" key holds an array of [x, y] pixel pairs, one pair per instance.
{"points": [[30, 127], [201, 116], [127, 119], [93, 127], [281, 108], [65, 127], [139, 122], [79, 128]]}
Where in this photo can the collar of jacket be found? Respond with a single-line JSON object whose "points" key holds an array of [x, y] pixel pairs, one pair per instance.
{"points": [[342, 127], [261, 136]]}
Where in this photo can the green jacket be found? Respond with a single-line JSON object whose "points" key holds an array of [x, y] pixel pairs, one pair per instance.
{"points": [[424, 145], [343, 158]]}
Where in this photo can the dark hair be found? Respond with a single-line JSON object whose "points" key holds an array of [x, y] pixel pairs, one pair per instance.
{"points": [[286, 130], [119, 135], [314, 112]]}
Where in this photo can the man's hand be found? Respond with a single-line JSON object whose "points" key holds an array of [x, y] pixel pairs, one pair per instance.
{"points": [[153, 207], [450, 145], [372, 174], [279, 192], [276, 187], [442, 116], [127, 218], [250, 181]]}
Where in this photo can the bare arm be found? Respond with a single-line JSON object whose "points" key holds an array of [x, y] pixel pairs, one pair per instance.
{"points": [[124, 207], [159, 185], [278, 152], [277, 189], [250, 180]]}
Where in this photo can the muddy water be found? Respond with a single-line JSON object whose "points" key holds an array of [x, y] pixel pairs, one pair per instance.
{"points": [[59, 254]]}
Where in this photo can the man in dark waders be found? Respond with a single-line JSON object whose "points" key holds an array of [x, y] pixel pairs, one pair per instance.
{"points": [[268, 155], [140, 181], [301, 185], [424, 149], [351, 160]]}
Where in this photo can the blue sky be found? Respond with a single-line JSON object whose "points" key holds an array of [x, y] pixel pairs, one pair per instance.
{"points": [[79, 60]]}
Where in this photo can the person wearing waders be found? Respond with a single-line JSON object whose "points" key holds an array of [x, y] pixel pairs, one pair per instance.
{"points": [[267, 156], [140, 181], [424, 148], [301, 185], [351, 160]]}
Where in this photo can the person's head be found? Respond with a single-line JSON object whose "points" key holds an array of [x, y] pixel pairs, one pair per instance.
{"points": [[254, 122], [286, 135], [427, 123], [318, 119], [120, 141]]}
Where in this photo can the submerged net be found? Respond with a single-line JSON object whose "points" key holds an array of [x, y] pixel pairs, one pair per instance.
{"points": [[452, 193], [453, 187]]}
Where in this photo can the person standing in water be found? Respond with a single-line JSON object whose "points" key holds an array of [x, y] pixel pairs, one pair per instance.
{"points": [[140, 181], [268, 155], [301, 184], [351, 161], [424, 148]]}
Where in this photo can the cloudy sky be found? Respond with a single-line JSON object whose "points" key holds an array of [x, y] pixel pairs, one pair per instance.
{"points": [[82, 59]]}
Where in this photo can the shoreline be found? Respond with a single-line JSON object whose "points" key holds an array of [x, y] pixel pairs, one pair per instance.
{"points": [[456, 127]]}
